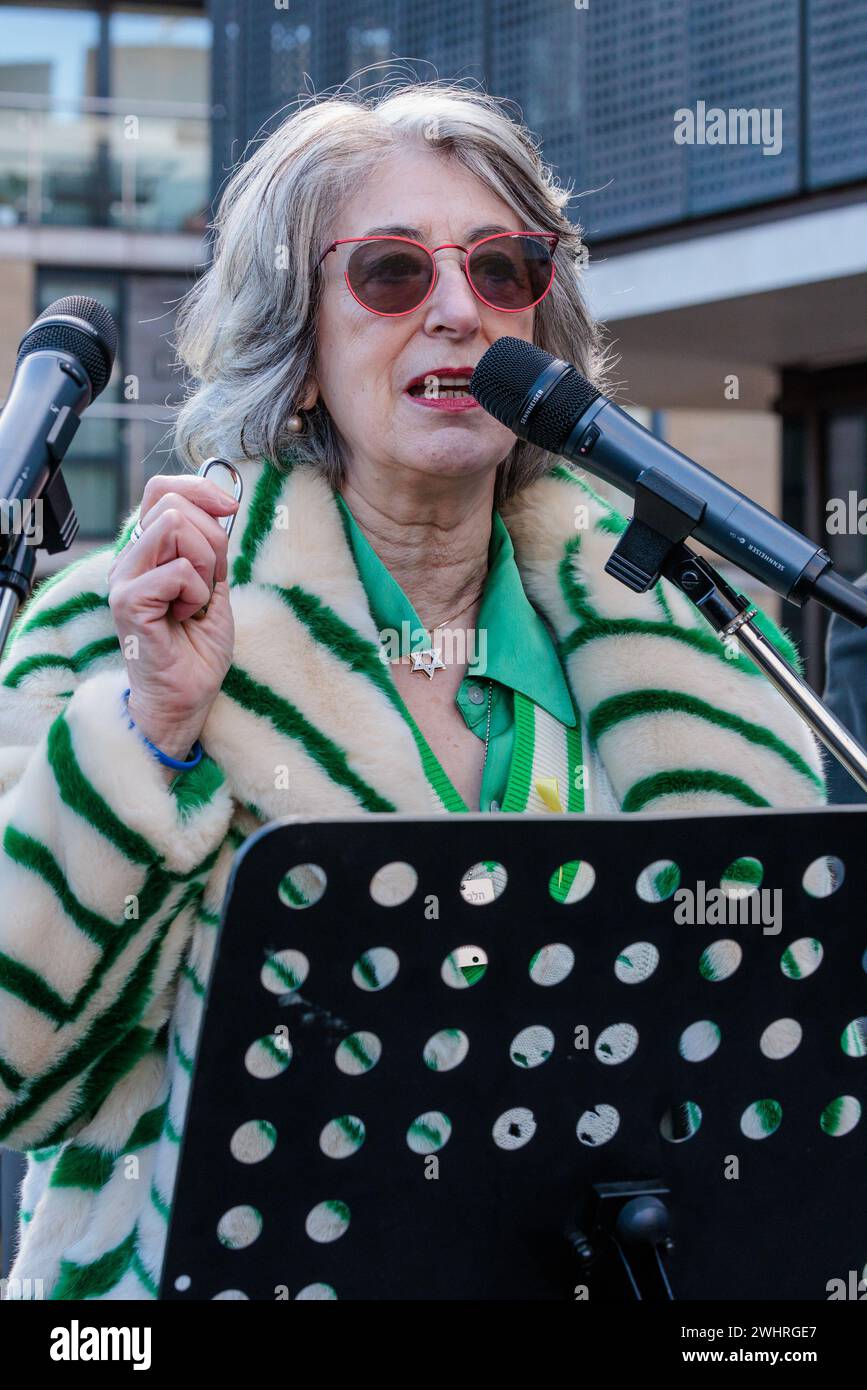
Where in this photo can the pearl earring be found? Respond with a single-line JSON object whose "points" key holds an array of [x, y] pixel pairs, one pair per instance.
{"points": [[295, 424]]}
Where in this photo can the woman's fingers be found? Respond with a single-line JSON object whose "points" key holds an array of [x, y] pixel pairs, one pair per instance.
{"points": [[210, 527], [146, 597], [201, 501], [173, 570], [171, 535], [202, 491]]}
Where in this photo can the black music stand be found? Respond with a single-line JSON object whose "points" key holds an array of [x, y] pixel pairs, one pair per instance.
{"points": [[611, 1172]]}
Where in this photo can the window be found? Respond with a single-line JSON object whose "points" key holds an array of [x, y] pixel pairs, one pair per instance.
{"points": [[104, 116], [49, 51], [161, 55], [93, 467]]}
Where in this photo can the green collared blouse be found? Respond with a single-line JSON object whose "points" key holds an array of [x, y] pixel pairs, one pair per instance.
{"points": [[535, 740]]}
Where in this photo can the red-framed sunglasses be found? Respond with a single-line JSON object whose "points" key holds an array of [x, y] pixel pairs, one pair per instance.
{"points": [[394, 275]]}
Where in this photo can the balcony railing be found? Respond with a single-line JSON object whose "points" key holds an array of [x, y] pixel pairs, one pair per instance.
{"points": [[104, 162]]}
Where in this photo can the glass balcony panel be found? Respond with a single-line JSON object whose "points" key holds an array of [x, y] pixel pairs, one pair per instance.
{"points": [[160, 170], [142, 169]]}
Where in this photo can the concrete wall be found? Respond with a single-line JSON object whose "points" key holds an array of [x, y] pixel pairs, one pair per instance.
{"points": [[741, 446], [744, 448], [16, 314]]}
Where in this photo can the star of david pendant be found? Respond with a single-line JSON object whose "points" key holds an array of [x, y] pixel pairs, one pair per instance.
{"points": [[427, 660]]}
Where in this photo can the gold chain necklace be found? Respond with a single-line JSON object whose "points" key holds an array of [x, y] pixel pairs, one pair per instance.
{"points": [[428, 659]]}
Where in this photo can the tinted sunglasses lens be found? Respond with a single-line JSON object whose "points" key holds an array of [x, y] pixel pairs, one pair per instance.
{"points": [[511, 272], [389, 277]]}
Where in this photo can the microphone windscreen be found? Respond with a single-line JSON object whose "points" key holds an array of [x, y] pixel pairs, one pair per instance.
{"points": [[504, 376], [94, 345]]}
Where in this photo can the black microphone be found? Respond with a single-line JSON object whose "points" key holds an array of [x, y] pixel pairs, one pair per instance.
{"points": [[548, 402], [64, 361]]}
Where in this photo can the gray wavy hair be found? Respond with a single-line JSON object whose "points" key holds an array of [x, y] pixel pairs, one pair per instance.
{"points": [[246, 331]]}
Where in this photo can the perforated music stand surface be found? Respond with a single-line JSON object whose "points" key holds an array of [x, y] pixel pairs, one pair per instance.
{"points": [[490, 1224]]}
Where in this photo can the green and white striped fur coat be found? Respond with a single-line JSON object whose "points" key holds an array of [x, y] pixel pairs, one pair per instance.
{"points": [[111, 884]]}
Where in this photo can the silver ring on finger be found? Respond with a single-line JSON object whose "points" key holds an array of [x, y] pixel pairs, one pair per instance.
{"points": [[136, 534]]}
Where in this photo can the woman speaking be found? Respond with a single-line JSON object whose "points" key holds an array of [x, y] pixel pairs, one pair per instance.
{"points": [[410, 614]]}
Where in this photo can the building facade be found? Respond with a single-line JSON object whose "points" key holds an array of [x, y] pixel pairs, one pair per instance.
{"points": [[105, 168]]}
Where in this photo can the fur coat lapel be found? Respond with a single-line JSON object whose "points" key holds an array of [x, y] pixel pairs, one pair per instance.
{"points": [[334, 742], [291, 565]]}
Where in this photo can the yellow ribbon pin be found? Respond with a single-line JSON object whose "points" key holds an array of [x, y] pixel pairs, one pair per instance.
{"points": [[549, 791]]}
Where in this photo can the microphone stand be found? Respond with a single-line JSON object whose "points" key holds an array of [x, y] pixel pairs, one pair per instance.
{"points": [[653, 545], [59, 529]]}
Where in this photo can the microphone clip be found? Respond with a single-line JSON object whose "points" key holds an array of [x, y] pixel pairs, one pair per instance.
{"points": [[664, 515]]}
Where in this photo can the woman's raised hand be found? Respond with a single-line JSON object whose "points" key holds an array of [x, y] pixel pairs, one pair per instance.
{"points": [[175, 663]]}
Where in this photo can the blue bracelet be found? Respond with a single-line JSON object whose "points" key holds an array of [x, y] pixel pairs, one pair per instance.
{"points": [[158, 752]]}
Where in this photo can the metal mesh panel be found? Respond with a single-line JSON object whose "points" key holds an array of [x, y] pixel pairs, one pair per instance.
{"points": [[455, 48], [750, 64], [534, 60], [837, 48], [354, 34], [280, 51], [634, 73], [599, 86]]}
